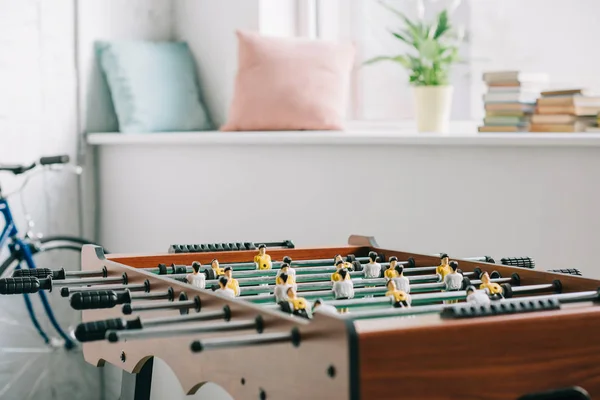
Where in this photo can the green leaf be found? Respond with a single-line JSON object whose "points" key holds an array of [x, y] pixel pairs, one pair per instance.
{"points": [[399, 36], [399, 59], [443, 24]]}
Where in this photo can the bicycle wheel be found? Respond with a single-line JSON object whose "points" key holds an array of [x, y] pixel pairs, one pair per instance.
{"points": [[29, 368]]}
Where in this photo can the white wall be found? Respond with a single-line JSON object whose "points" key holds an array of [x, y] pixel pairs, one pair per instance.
{"points": [[467, 201], [37, 104], [209, 28]]}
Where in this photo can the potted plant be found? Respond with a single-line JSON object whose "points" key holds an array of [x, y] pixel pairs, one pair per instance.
{"points": [[435, 48]]}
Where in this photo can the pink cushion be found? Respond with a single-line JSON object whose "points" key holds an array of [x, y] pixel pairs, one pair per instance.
{"points": [[289, 84]]}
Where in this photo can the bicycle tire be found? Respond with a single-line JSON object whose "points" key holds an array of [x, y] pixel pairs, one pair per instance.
{"points": [[73, 243], [75, 376]]}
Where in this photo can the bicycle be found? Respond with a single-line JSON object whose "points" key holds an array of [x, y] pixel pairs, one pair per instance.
{"points": [[63, 355]]}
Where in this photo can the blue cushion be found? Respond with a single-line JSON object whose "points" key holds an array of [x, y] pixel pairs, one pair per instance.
{"points": [[153, 86]]}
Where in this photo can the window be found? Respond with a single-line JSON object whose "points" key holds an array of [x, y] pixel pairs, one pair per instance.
{"points": [[552, 36]]}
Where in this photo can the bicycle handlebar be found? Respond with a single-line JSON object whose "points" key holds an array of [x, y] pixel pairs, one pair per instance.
{"points": [[62, 159], [21, 169]]}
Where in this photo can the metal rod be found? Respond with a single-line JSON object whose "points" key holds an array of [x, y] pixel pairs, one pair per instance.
{"points": [[179, 319], [246, 340], [159, 305], [167, 332], [433, 308], [86, 281], [81, 274], [66, 291], [324, 285], [152, 296]]}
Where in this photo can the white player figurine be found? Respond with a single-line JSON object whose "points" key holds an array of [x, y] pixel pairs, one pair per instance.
{"points": [[372, 269], [453, 281], [344, 288], [196, 278], [223, 289], [320, 308], [281, 288], [402, 282], [291, 271], [477, 296]]}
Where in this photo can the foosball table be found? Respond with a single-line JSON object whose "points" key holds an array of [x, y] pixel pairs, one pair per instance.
{"points": [[351, 322]]}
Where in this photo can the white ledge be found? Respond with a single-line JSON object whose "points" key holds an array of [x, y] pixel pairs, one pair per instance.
{"points": [[354, 137]]}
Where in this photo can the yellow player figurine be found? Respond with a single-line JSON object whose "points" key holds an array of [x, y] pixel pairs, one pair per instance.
{"points": [[391, 272], [453, 281], [285, 269], [262, 259], [343, 288], [496, 292], [336, 275], [372, 269], [224, 289], [444, 268], [299, 304], [477, 296], [402, 283], [214, 264], [320, 308], [339, 258], [281, 287], [232, 283], [399, 298], [196, 278]]}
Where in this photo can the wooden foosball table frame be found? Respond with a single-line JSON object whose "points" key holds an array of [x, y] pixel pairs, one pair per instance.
{"points": [[419, 357]]}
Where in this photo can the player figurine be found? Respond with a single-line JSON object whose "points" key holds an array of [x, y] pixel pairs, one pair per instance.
{"points": [[320, 308], [285, 269], [344, 287], [444, 268], [453, 281], [495, 290], [262, 260], [281, 287], [372, 269], [224, 289], [398, 297], [339, 265], [477, 296], [299, 304], [232, 283], [346, 264], [196, 278], [402, 283], [391, 271], [214, 264], [291, 271]]}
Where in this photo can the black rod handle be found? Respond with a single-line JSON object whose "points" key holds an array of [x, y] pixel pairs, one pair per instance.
{"points": [[96, 330], [40, 273], [99, 299], [20, 285]]}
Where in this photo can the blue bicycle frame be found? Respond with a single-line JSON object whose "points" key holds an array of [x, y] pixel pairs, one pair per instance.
{"points": [[10, 233]]}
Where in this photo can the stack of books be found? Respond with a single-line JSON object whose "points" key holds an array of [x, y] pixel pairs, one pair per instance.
{"points": [[510, 100], [570, 110]]}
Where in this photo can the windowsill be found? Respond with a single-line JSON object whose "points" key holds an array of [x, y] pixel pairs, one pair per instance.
{"points": [[357, 133]]}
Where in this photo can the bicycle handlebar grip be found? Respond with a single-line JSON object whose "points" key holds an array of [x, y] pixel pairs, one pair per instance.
{"points": [[96, 330], [40, 273], [64, 159], [94, 300], [20, 285]]}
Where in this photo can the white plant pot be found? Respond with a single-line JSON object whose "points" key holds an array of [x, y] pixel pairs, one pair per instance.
{"points": [[433, 106]]}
